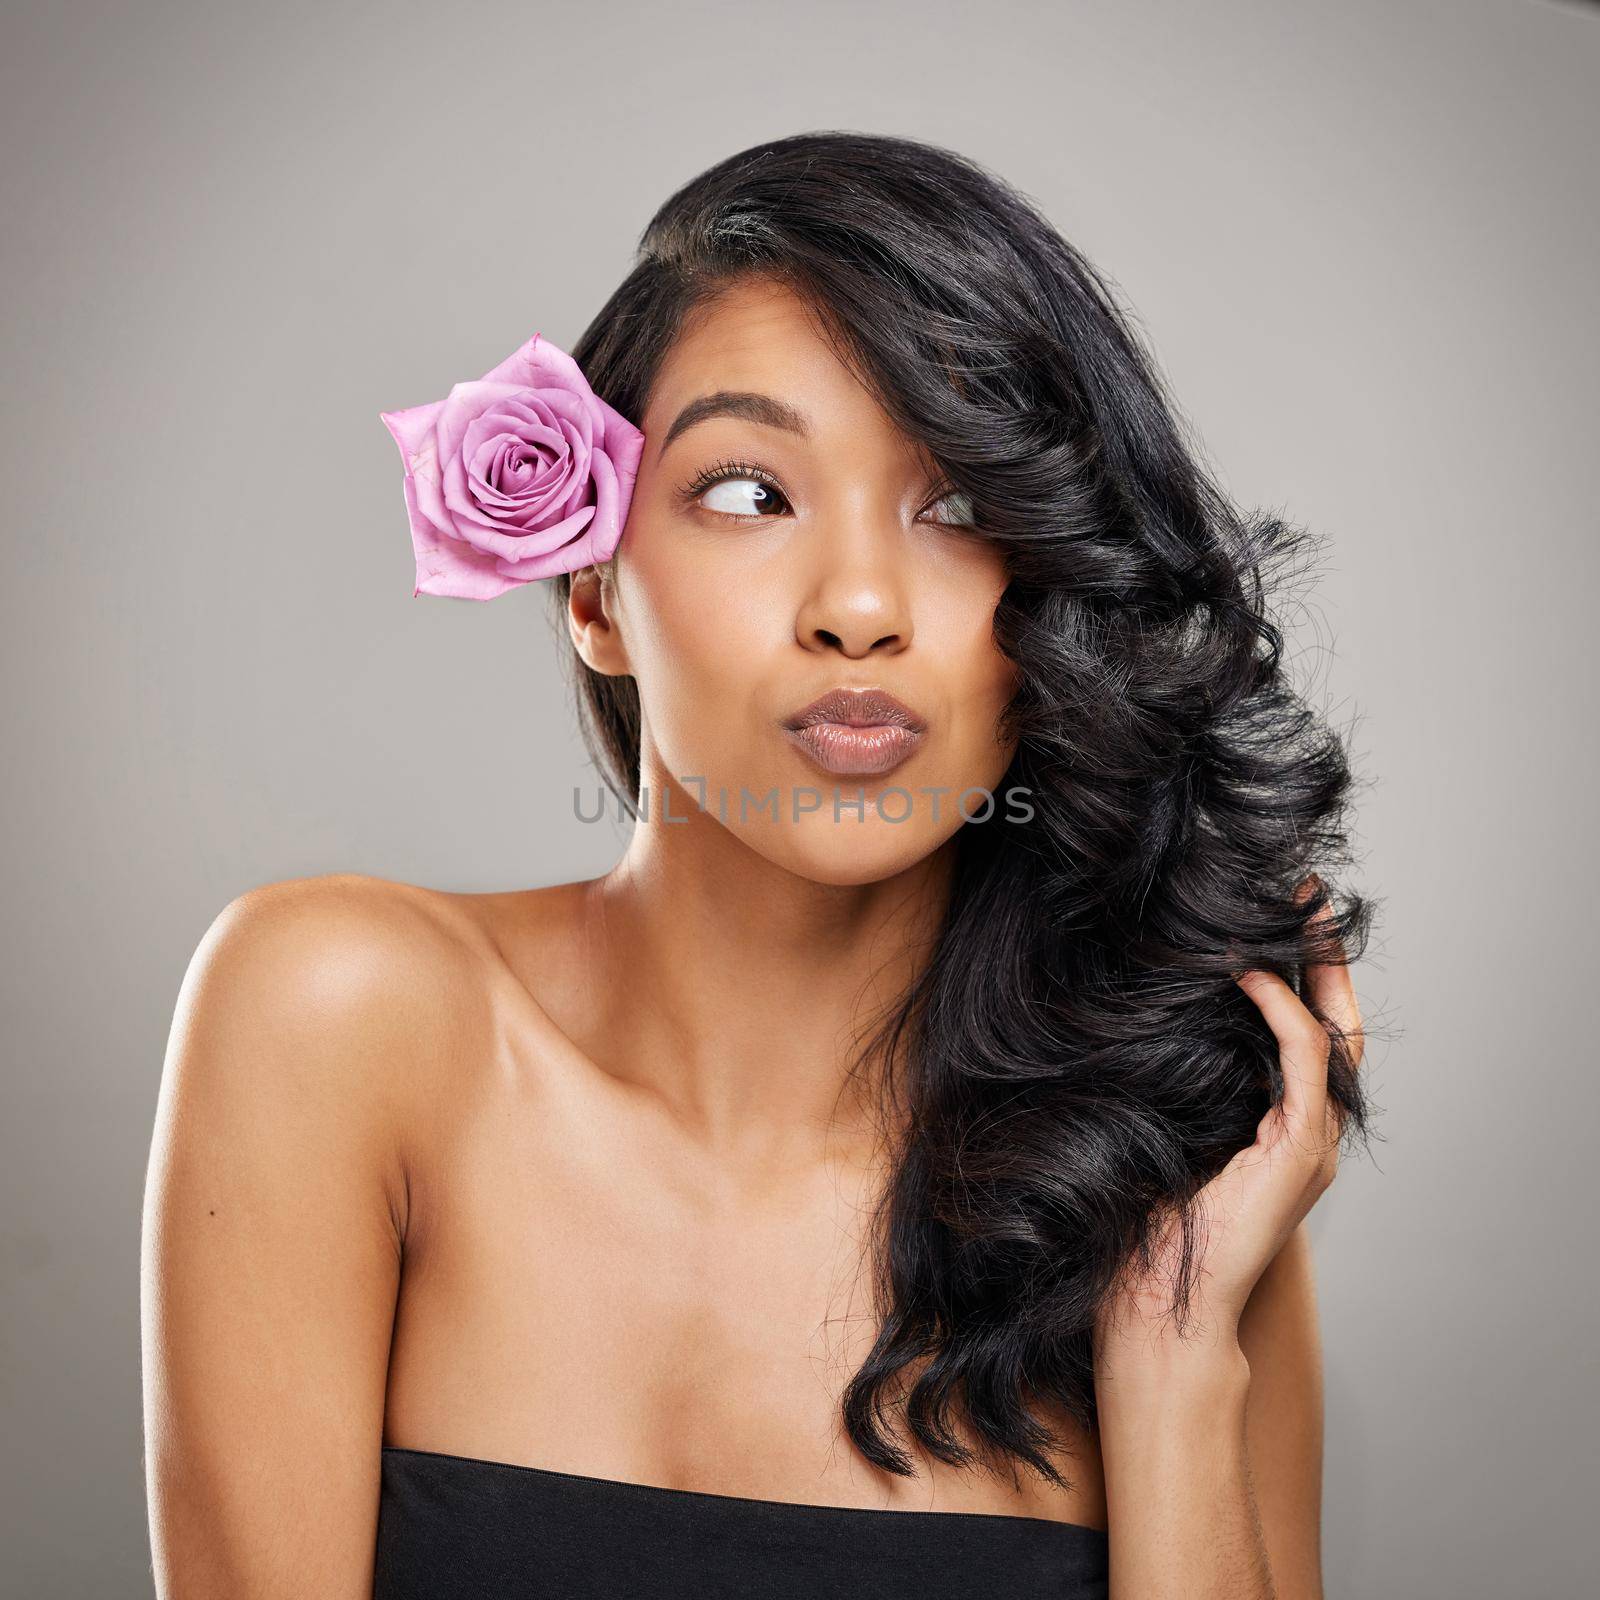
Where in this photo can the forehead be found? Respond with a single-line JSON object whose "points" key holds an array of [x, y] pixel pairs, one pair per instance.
{"points": [[760, 335]]}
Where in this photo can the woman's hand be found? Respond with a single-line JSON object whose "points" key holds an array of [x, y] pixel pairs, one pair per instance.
{"points": [[1249, 1210]]}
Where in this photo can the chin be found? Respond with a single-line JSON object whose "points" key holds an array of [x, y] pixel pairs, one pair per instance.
{"points": [[847, 853]]}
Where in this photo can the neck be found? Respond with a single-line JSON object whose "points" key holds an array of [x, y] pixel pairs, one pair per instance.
{"points": [[747, 990]]}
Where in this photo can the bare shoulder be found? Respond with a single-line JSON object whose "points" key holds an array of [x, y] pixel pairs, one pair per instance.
{"points": [[342, 984], [340, 941], [388, 974]]}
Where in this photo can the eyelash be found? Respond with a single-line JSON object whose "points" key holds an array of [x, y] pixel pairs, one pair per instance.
{"points": [[724, 470]]}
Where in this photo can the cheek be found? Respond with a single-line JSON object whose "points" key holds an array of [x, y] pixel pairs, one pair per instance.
{"points": [[976, 753], [978, 678], [697, 646]]}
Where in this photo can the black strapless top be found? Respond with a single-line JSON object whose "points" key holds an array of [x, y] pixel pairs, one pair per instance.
{"points": [[453, 1527]]}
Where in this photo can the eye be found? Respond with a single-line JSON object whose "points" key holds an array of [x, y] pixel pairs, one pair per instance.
{"points": [[736, 489], [962, 513], [741, 497]]}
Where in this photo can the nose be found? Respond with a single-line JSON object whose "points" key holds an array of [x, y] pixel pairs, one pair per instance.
{"points": [[857, 600]]}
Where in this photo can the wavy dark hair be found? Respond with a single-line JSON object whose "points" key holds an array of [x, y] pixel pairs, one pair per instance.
{"points": [[1075, 1060]]}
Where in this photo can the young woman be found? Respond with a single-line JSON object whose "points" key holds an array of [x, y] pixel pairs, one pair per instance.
{"points": [[890, 1178]]}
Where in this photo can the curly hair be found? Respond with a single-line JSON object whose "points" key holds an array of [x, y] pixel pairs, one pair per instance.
{"points": [[1075, 1060]]}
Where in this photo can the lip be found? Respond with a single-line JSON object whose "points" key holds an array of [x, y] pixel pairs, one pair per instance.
{"points": [[852, 732]]}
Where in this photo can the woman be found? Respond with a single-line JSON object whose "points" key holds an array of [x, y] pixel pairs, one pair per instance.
{"points": [[847, 1193]]}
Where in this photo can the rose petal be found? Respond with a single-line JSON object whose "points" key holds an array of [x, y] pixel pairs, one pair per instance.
{"points": [[517, 547], [466, 511], [565, 490], [538, 364], [430, 495], [607, 528], [412, 428], [465, 403], [506, 472], [503, 421], [568, 557], [447, 567], [624, 448], [549, 448]]}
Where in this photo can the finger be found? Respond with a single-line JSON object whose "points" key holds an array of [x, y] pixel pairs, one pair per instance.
{"points": [[1310, 886], [1302, 1048], [1333, 1131], [1330, 990]]}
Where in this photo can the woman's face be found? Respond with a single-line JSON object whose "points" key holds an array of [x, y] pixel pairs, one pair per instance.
{"points": [[821, 558]]}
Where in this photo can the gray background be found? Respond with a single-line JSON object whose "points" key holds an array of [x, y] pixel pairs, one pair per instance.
{"points": [[1361, 238]]}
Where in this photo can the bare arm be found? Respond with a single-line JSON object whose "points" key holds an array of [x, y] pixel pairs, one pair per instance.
{"points": [[1213, 1452], [1283, 1417], [1183, 1517], [273, 1221]]}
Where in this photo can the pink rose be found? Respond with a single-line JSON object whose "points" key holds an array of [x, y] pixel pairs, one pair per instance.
{"points": [[521, 475]]}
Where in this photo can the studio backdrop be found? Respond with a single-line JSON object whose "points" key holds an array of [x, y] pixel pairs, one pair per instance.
{"points": [[1361, 240]]}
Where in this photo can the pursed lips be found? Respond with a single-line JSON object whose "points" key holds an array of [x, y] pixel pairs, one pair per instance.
{"points": [[856, 732]]}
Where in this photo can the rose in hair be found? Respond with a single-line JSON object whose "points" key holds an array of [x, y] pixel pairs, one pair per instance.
{"points": [[521, 475]]}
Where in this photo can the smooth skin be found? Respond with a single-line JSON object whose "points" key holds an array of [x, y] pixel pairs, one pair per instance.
{"points": [[576, 1178]]}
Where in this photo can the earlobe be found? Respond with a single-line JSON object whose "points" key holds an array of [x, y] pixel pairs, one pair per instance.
{"points": [[592, 621]]}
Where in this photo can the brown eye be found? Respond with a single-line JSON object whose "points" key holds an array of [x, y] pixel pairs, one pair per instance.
{"points": [[739, 495]]}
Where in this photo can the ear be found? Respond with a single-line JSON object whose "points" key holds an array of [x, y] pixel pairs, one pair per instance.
{"points": [[594, 622]]}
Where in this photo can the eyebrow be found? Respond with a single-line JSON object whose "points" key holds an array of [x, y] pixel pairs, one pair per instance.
{"points": [[744, 403]]}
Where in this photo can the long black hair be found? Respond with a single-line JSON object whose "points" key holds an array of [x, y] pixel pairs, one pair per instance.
{"points": [[1075, 1060]]}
